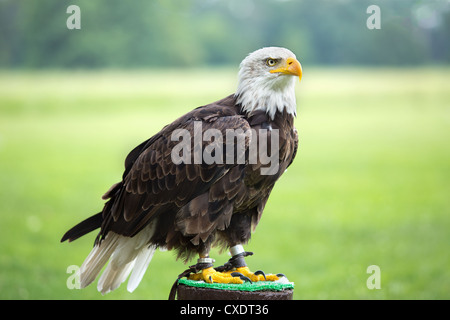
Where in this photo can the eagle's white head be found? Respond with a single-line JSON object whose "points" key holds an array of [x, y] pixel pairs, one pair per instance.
{"points": [[267, 81]]}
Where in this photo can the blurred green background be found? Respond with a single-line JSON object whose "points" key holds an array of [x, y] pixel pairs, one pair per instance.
{"points": [[370, 184]]}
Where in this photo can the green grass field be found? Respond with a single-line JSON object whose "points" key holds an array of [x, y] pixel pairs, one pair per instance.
{"points": [[370, 184]]}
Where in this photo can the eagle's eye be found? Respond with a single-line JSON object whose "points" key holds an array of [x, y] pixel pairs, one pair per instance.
{"points": [[271, 62]]}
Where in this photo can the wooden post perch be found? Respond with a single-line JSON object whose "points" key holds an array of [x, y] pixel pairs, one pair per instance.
{"points": [[262, 290]]}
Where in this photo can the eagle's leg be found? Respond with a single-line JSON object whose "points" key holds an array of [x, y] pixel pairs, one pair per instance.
{"points": [[210, 275], [237, 263]]}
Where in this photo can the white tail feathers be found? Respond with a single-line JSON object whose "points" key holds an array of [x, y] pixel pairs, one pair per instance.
{"points": [[125, 254], [140, 266]]}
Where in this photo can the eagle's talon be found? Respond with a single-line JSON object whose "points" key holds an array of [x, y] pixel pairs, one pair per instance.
{"points": [[241, 276], [279, 275], [260, 272]]}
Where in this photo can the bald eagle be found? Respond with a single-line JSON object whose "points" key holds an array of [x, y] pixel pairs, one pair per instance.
{"points": [[192, 204]]}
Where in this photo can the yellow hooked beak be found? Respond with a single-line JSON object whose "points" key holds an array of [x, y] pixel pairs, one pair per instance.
{"points": [[292, 67]]}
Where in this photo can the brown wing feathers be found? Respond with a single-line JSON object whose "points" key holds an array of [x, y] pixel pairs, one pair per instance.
{"points": [[154, 186]]}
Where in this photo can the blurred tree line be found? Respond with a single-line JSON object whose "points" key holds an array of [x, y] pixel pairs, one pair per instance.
{"points": [[160, 33]]}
